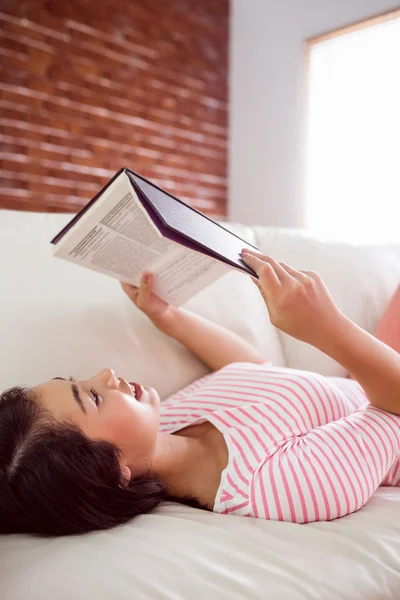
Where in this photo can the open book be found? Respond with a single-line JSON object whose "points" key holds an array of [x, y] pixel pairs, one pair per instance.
{"points": [[132, 226]]}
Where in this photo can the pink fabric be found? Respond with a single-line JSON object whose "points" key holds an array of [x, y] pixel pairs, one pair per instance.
{"points": [[302, 447], [388, 330]]}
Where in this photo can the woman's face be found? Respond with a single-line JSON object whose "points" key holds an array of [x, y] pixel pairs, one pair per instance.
{"points": [[119, 417]]}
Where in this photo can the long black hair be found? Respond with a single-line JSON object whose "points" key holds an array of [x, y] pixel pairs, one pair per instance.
{"points": [[54, 480]]}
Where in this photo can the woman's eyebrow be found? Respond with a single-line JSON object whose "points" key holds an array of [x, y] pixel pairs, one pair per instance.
{"points": [[75, 393]]}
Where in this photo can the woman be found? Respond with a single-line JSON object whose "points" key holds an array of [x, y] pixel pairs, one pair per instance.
{"points": [[248, 439]]}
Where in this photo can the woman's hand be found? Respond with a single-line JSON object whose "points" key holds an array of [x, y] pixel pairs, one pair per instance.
{"points": [[156, 309], [298, 302]]}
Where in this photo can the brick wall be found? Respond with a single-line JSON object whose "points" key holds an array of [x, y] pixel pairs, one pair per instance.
{"points": [[88, 87]]}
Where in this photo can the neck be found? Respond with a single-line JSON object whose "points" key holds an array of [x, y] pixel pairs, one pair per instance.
{"points": [[179, 462]]}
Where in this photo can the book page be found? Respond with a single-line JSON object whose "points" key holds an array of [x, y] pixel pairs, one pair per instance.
{"points": [[118, 238], [123, 242], [182, 273]]}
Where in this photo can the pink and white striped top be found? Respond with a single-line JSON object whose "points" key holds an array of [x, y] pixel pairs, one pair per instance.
{"points": [[302, 447]]}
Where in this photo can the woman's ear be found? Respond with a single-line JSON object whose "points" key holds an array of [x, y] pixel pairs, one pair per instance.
{"points": [[125, 476]]}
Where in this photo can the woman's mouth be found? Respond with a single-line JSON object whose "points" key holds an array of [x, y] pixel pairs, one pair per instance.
{"points": [[137, 389]]}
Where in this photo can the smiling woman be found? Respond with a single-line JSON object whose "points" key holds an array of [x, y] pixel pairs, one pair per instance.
{"points": [[61, 470], [248, 439], [105, 408]]}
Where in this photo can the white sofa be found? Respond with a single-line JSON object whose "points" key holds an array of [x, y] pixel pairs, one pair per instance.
{"points": [[58, 319]]}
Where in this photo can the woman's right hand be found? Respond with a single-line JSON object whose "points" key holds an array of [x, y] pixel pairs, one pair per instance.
{"points": [[298, 302], [156, 309]]}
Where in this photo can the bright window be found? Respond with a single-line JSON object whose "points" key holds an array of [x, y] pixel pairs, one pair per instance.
{"points": [[353, 133]]}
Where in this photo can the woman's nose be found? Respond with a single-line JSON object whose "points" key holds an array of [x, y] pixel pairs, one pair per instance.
{"points": [[108, 378]]}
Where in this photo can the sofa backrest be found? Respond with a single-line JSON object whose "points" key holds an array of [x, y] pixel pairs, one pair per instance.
{"points": [[58, 319]]}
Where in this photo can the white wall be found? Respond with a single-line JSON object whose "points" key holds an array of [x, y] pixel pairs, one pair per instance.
{"points": [[267, 100]]}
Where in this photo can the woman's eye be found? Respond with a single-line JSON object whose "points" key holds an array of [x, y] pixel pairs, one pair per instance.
{"points": [[96, 397]]}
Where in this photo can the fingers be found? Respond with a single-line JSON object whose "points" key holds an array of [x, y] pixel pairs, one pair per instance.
{"points": [[257, 260], [144, 290], [130, 290], [269, 279], [297, 274], [312, 274], [269, 283]]}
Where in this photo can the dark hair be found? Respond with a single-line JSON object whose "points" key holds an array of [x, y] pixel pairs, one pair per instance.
{"points": [[56, 481]]}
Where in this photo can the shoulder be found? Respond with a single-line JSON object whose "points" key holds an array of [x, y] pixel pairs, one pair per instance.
{"points": [[237, 369]]}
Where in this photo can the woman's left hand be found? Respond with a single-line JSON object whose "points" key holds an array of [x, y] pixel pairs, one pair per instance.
{"points": [[298, 302]]}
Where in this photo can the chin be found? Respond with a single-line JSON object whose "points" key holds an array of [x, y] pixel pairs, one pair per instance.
{"points": [[152, 393]]}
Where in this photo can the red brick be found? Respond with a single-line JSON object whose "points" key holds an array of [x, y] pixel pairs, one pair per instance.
{"points": [[165, 95]]}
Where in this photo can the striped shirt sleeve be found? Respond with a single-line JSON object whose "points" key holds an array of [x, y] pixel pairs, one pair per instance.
{"points": [[329, 472]]}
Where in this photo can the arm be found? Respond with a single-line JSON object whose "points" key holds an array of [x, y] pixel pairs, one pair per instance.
{"points": [[372, 363], [213, 344], [388, 330], [300, 305]]}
